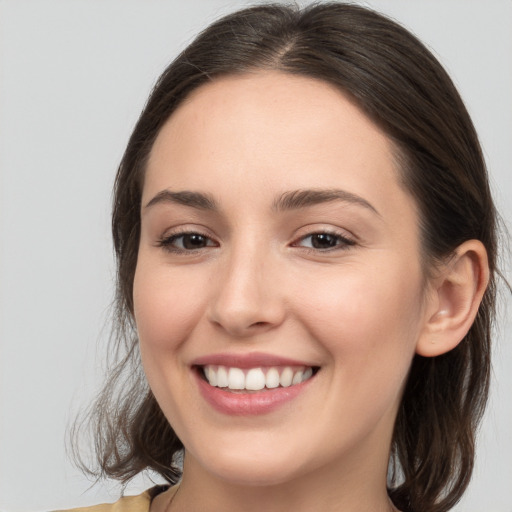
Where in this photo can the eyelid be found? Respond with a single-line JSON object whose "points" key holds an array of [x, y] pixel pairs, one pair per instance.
{"points": [[165, 241], [346, 239]]}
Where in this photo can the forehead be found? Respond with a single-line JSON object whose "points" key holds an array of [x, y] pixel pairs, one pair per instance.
{"points": [[289, 131], [248, 109]]}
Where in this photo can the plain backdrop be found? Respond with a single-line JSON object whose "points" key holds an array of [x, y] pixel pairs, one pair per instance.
{"points": [[74, 75]]}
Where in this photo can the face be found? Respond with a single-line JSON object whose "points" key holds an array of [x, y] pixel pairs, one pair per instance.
{"points": [[278, 291]]}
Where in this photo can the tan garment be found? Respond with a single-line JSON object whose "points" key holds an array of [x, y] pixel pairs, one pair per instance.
{"points": [[140, 503]]}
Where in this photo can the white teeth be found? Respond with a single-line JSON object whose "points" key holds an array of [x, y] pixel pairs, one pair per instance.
{"points": [[272, 378], [307, 374], [222, 377], [286, 377], [255, 379], [297, 378], [211, 375], [236, 379]]}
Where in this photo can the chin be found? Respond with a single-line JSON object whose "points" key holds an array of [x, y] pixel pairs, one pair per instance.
{"points": [[253, 468]]}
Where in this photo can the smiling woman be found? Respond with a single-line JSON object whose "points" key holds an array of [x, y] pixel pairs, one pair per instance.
{"points": [[323, 291], [306, 249]]}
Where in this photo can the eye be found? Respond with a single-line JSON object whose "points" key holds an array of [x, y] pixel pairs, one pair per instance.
{"points": [[324, 241], [185, 242]]}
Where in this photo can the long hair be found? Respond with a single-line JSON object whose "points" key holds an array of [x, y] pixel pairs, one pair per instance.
{"points": [[398, 83]]}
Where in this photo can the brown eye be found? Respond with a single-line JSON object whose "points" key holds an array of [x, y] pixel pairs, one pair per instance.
{"points": [[324, 241], [183, 242], [193, 241]]}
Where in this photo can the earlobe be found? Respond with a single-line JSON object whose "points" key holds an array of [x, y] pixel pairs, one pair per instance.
{"points": [[456, 293]]}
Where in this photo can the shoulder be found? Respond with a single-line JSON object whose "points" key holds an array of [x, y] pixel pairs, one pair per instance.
{"points": [[139, 503]]}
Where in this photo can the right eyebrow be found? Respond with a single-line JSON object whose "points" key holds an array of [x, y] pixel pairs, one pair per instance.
{"points": [[185, 198]]}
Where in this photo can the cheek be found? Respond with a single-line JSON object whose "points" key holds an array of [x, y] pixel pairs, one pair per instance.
{"points": [[372, 315], [166, 307], [368, 324]]}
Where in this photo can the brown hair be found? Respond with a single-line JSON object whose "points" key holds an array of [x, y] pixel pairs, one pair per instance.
{"points": [[396, 81]]}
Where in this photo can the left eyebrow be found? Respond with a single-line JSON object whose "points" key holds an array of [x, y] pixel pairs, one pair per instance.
{"points": [[296, 199]]}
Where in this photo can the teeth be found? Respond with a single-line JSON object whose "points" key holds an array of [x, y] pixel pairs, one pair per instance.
{"points": [[256, 379], [236, 379], [211, 375], [297, 377], [272, 378], [222, 377], [286, 377], [307, 374]]}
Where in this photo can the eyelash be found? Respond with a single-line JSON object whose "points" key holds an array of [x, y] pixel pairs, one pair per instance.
{"points": [[341, 242], [167, 242]]}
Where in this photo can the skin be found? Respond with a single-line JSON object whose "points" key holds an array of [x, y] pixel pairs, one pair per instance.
{"points": [[358, 311]]}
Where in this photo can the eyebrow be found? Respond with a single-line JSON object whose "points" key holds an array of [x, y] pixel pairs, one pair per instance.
{"points": [[291, 200], [309, 197], [185, 198]]}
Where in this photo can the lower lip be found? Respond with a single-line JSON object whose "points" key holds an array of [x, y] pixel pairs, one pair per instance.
{"points": [[246, 404]]}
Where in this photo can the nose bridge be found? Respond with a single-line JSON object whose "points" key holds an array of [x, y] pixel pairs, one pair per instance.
{"points": [[247, 298]]}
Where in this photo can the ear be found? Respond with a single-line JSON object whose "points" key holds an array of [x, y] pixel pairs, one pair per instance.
{"points": [[455, 295]]}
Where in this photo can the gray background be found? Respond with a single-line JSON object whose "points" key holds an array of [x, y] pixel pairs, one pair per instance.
{"points": [[74, 76]]}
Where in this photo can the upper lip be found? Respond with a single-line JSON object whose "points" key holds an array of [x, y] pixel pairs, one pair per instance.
{"points": [[249, 360]]}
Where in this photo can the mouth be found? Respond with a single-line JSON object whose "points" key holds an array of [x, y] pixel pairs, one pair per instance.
{"points": [[253, 383], [256, 379]]}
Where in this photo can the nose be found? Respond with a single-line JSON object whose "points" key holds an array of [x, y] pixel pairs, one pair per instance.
{"points": [[247, 298]]}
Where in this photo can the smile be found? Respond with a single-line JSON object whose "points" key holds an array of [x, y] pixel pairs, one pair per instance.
{"points": [[255, 379], [252, 384]]}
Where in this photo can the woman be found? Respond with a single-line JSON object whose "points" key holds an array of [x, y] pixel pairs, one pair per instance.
{"points": [[306, 249]]}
